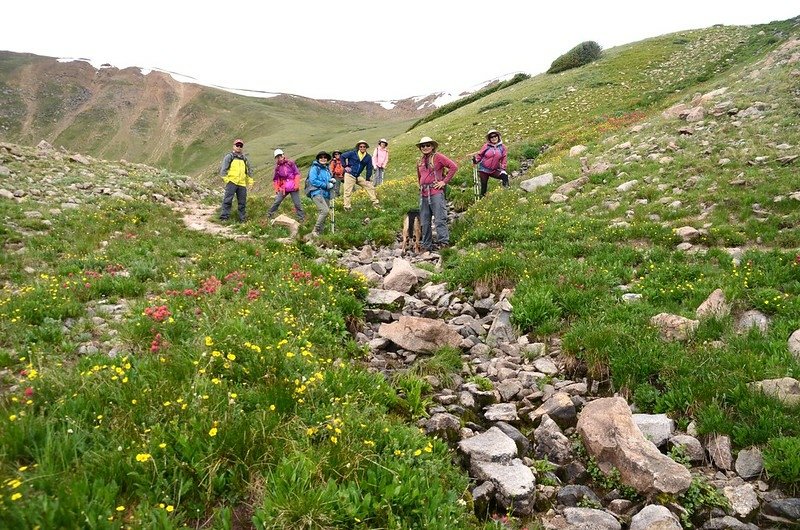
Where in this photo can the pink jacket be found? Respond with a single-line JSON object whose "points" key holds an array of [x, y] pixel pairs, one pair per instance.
{"points": [[380, 157], [429, 173], [287, 177], [492, 157]]}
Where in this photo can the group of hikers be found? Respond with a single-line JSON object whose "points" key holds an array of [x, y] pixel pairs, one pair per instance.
{"points": [[330, 173]]}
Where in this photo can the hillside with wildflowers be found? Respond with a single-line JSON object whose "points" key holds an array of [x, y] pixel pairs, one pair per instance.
{"points": [[153, 376]]}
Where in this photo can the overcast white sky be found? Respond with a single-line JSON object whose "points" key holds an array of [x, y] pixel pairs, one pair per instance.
{"points": [[352, 50]]}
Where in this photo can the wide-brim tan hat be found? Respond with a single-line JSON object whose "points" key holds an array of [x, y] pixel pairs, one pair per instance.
{"points": [[383, 141], [362, 142], [427, 140]]}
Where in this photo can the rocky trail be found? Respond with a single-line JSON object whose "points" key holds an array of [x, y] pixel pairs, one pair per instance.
{"points": [[514, 404]]}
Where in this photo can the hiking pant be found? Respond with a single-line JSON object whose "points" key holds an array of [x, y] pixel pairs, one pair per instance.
{"points": [[337, 186], [323, 206], [501, 175], [232, 189], [301, 215], [350, 181], [377, 177], [435, 206]]}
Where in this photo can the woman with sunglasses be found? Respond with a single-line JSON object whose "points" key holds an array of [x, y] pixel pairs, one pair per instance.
{"points": [[434, 171], [492, 161]]}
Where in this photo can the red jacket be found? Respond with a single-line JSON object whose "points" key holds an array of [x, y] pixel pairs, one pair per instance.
{"points": [[430, 171]]}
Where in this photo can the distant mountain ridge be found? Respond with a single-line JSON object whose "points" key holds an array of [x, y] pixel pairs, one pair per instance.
{"points": [[150, 116]]}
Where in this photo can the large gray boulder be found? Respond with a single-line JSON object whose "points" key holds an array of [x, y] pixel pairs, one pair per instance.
{"points": [[613, 439], [421, 335]]}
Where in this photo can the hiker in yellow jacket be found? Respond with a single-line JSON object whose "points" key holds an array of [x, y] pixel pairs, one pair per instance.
{"points": [[236, 172]]}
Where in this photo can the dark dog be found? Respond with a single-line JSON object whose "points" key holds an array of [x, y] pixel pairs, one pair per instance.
{"points": [[412, 230]]}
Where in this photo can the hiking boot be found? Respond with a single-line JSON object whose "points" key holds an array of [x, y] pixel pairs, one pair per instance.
{"points": [[347, 208]]}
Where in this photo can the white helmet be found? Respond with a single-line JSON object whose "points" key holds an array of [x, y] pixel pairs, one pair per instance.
{"points": [[277, 153]]}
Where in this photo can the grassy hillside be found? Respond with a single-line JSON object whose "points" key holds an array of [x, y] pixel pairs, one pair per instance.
{"points": [[731, 176], [155, 377], [122, 114]]}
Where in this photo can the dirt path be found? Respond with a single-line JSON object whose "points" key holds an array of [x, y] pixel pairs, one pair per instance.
{"points": [[198, 217]]}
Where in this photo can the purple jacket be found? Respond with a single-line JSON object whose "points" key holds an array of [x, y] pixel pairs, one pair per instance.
{"points": [[287, 177]]}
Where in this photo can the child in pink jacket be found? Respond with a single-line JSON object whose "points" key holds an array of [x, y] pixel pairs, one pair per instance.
{"points": [[380, 159]]}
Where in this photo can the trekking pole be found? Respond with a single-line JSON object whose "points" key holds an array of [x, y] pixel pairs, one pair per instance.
{"points": [[333, 213], [476, 184]]}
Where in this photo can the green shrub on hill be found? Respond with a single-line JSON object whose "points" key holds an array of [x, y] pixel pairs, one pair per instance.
{"points": [[583, 53]]}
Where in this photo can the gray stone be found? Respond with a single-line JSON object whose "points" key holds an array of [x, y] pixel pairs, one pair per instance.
{"points": [[752, 319], [727, 523], [692, 447], [794, 344], [715, 306], [550, 443], [785, 389], [534, 183], [402, 277], [674, 327], [656, 427], [749, 463], [572, 495], [490, 446], [783, 511], [742, 498], [559, 408], [523, 444], [420, 334], [444, 425], [612, 438], [590, 519], [515, 484], [502, 412], [384, 297], [655, 517], [719, 451]]}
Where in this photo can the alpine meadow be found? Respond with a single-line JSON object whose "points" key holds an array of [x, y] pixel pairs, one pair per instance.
{"points": [[613, 341]]}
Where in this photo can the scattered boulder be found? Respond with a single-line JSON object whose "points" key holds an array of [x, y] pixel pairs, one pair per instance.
{"points": [[535, 183], [715, 306], [655, 517], [613, 439], [786, 389], [749, 463], [794, 344], [402, 277], [421, 335], [752, 319], [674, 327]]}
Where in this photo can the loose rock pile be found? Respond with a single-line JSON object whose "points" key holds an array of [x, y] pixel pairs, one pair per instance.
{"points": [[534, 411]]}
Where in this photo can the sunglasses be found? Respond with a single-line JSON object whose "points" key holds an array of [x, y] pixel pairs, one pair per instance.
{"points": [[494, 136], [239, 144], [425, 145]]}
